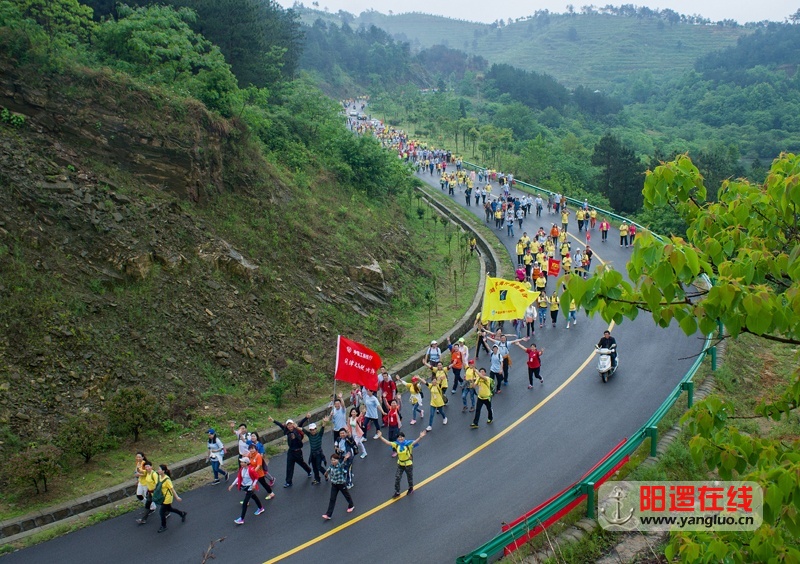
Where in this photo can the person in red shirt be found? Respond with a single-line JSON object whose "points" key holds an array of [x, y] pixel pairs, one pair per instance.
{"points": [[388, 389], [393, 422], [456, 363], [534, 363]]}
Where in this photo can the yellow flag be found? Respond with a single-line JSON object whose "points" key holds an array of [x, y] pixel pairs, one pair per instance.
{"points": [[506, 299]]}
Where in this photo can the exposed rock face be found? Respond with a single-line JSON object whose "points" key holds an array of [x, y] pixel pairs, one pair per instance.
{"points": [[175, 154], [369, 283], [226, 258]]}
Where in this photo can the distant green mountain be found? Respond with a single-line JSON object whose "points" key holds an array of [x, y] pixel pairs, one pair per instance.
{"points": [[596, 50]]}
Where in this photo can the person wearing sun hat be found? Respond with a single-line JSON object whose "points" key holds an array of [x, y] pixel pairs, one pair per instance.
{"points": [[294, 436], [433, 354]]}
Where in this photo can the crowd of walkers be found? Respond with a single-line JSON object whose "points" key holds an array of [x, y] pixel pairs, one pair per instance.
{"points": [[352, 418]]}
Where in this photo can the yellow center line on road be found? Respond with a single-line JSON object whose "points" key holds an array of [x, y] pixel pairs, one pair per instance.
{"points": [[438, 474]]}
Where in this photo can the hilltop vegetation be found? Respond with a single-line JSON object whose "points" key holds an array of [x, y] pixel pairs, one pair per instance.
{"points": [[732, 110], [598, 50], [166, 233]]}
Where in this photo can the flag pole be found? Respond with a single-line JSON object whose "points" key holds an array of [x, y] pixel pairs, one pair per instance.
{"points": [[338, 344]]}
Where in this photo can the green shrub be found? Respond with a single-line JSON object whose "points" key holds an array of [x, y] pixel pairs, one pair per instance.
{"points": [[84, 435], [131, 410], [34, 465]]}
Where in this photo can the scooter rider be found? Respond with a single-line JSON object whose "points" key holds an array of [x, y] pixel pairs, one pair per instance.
{"points": [[608, 342]]}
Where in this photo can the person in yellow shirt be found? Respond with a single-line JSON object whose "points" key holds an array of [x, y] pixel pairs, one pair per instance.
{"points": [[148, 479], [566, 264], [623, 234], [498, 218], [437, 401], [483, 384], [470, 378], [580, 215], [169, 495], [541, 282], [564, 219], [542, 306], [572, 316], [527, 261], [520, 252], [554, 305], [405, 460], [592, 218]]}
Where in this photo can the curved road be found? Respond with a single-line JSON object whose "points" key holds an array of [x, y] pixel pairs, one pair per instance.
{"points": [[467, 481]]}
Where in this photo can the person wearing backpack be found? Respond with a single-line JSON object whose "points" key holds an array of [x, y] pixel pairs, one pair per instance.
{"points": [[346, 449], [246, 480], [314, 433], [405, 459], [338, 475], [484, 385], [149, 479], [216, 452], [294, 436], [164, 495]]}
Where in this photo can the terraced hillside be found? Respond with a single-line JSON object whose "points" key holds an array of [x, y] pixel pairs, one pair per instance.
{"points": [[596, 50]]}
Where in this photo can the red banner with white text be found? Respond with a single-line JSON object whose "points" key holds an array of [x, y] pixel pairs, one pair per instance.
{"points": [[357, 364]]}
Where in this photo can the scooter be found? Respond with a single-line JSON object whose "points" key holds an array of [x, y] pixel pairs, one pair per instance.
{"points": [[604, 365]]}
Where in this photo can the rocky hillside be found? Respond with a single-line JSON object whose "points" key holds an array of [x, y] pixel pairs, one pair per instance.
{"points": [[146, 241]]}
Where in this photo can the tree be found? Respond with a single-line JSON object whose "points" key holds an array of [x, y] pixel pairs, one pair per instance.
{"points": [[620, 179], [748, 243], [34, 465], [131, 410], [84, 435], [157, 44], [59, 17], [295, 377]]}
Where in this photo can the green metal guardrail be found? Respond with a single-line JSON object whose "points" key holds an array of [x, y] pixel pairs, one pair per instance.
{"points": [[586, 486]]}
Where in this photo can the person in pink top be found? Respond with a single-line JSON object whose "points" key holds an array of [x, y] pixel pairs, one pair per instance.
{"points": [[604, 227]]}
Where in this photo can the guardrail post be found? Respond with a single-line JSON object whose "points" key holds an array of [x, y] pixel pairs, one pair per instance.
{"points": [[689, 387], [588, 489], [713, 358], [483, 558], [652, 432]]}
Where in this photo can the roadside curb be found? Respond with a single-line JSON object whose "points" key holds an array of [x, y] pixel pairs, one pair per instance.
{"points": [[19, 528]]}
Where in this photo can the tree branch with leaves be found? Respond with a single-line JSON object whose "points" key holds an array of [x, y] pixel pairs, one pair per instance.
{"points": [[748, 243]]}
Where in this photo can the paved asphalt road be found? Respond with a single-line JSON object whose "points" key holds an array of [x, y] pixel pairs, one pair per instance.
{"points": [[468, 481]]}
